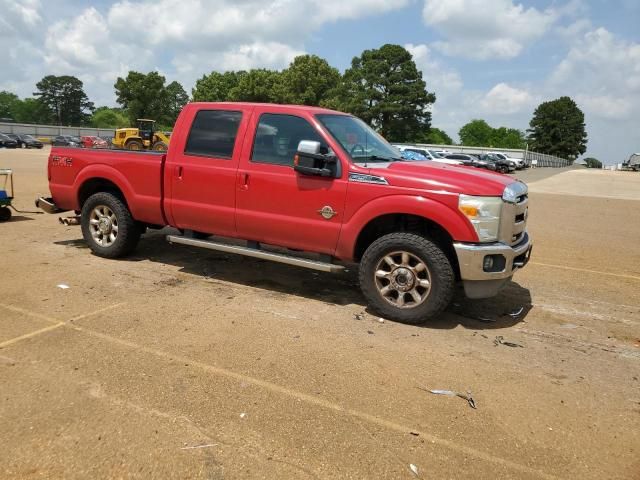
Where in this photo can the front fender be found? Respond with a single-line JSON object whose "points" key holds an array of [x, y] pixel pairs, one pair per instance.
{"points": [[450, 219]]}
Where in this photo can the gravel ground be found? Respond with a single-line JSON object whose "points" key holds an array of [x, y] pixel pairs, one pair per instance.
{"points": [[178, 363]]}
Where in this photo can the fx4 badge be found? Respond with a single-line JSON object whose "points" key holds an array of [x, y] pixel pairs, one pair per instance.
{"points": [[327, 212], [57, 161]]}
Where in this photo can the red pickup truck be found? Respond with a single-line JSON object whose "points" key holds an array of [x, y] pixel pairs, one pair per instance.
{"points": [[307, 180]]}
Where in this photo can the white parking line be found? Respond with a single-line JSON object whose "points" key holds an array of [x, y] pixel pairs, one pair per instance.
{"points": [[564, 267], [32, 334]]}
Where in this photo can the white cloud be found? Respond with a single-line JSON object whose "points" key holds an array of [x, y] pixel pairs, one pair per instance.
{"points": [[484, 29], [603, 71], [504, 99], [192, 36]]}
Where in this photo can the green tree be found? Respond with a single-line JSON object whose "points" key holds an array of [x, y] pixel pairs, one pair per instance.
{"points": [[558, 128], [8, 103], [504, 137], [177, 98], [436, 136], [105, 117], [476, 133], [591, 162], [215, 87], [258, 85], [31, 110], [65, 99], [384, 88], [142, 95], [309, 80]]}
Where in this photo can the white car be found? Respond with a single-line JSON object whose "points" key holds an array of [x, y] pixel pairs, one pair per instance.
{"points": [[519, 162], [428, 154]]}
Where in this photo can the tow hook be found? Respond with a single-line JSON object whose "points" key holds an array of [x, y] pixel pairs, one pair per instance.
{"points": [[73, 220]]}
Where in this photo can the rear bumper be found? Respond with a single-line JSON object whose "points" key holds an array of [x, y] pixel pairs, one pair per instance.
{"points": [[479, 283], [47, 205]]}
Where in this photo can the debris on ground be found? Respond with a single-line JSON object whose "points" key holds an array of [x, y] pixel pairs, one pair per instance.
{"points": [[486, 319], [358, 316], [200, 446], [415, 434], [381, 320], [451, 393], [243, 415], [63, 286], [369, 332], [499, 340], [414, 469]]}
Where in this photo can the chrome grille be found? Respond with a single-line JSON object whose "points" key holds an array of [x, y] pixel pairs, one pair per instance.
{"points": [[514, 218]]}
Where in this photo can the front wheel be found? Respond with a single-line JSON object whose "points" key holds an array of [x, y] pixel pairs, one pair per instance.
{"points": [[108, 227], [406, 277], [5, 214]]}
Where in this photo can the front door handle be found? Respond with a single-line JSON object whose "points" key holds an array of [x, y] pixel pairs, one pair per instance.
{"points": [[244, 181], [179, 172]]}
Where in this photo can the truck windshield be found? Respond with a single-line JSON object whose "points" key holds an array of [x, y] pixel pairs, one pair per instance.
{"points": [[358, 139]]}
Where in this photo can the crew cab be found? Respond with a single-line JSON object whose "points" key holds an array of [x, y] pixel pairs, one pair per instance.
{"points": [[307, 180]]}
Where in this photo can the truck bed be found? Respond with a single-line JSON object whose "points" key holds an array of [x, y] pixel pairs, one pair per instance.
{"points": [[137, 174]]}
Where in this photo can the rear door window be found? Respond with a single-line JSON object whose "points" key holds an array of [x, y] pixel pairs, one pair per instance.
{"points": [[213, 133]]}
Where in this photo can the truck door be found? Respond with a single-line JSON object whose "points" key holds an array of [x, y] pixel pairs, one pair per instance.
{"points": [[275, 204], [201, 175]]}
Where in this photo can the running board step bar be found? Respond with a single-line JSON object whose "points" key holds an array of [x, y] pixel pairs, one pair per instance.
{"points": [[257, 253]]}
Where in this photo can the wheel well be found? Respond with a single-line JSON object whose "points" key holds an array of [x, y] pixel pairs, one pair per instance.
{"points": [[400, 222], [96, 185]]}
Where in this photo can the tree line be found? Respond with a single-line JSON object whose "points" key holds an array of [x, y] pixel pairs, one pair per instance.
{"points": [[382, 86]]}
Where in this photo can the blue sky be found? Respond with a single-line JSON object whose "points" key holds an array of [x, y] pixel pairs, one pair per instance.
{"points": [[491, 59]]}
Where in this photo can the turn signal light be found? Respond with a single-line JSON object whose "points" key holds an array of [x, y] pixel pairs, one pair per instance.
{"points": [[469, 210]]}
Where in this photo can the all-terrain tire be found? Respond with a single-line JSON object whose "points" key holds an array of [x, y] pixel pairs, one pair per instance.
{"points": [[128, 230], [419, 248], [135, 145]]}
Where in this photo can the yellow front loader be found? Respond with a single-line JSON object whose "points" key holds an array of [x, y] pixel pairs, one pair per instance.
{"points": [[145, 137]]}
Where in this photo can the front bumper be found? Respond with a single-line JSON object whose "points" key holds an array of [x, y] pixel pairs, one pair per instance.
{"points": [[479, 283]]}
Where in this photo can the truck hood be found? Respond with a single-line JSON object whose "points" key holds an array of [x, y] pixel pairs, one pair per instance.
{"points": [[441, 177]]}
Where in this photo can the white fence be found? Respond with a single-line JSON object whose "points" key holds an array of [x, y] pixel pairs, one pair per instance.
{"points": [[52, 130], [533, 159]]}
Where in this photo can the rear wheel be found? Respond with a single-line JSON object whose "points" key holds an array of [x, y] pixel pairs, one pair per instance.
{"points": [[5, 214], [108, 227], [406, 277], [134, 145]]}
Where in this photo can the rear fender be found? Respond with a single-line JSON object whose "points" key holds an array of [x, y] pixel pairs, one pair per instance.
{"points": [[108, 173]]}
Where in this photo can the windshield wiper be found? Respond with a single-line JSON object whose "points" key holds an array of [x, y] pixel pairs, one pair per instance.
{"points": [[384, 159]]}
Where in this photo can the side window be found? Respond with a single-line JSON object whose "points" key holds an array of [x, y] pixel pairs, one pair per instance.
{"points": [[213, 133], [278, 136]]}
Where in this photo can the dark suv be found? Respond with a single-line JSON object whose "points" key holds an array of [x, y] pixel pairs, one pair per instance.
{"points": [[66, 141], [26, 141]]}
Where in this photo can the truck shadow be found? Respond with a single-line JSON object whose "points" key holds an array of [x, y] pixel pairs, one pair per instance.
{"points": [[510, 307]]}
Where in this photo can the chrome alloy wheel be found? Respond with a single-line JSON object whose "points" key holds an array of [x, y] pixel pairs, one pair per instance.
{"points": [[402, 279], [103, 225]]}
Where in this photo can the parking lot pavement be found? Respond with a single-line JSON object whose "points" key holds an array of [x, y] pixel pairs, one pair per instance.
{"points": [[176, 363]]}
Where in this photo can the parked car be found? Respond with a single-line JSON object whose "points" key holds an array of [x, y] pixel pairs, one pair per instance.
{"points": [[518, 163], [483, 162], [66, 141], [304, 179], [427, 153], [93, 142], [25, 141], [7, 142], [467, 160], [501, 165], [413, 156]]}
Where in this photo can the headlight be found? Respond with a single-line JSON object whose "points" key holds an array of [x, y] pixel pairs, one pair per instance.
{"points": [[484, 215]]}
